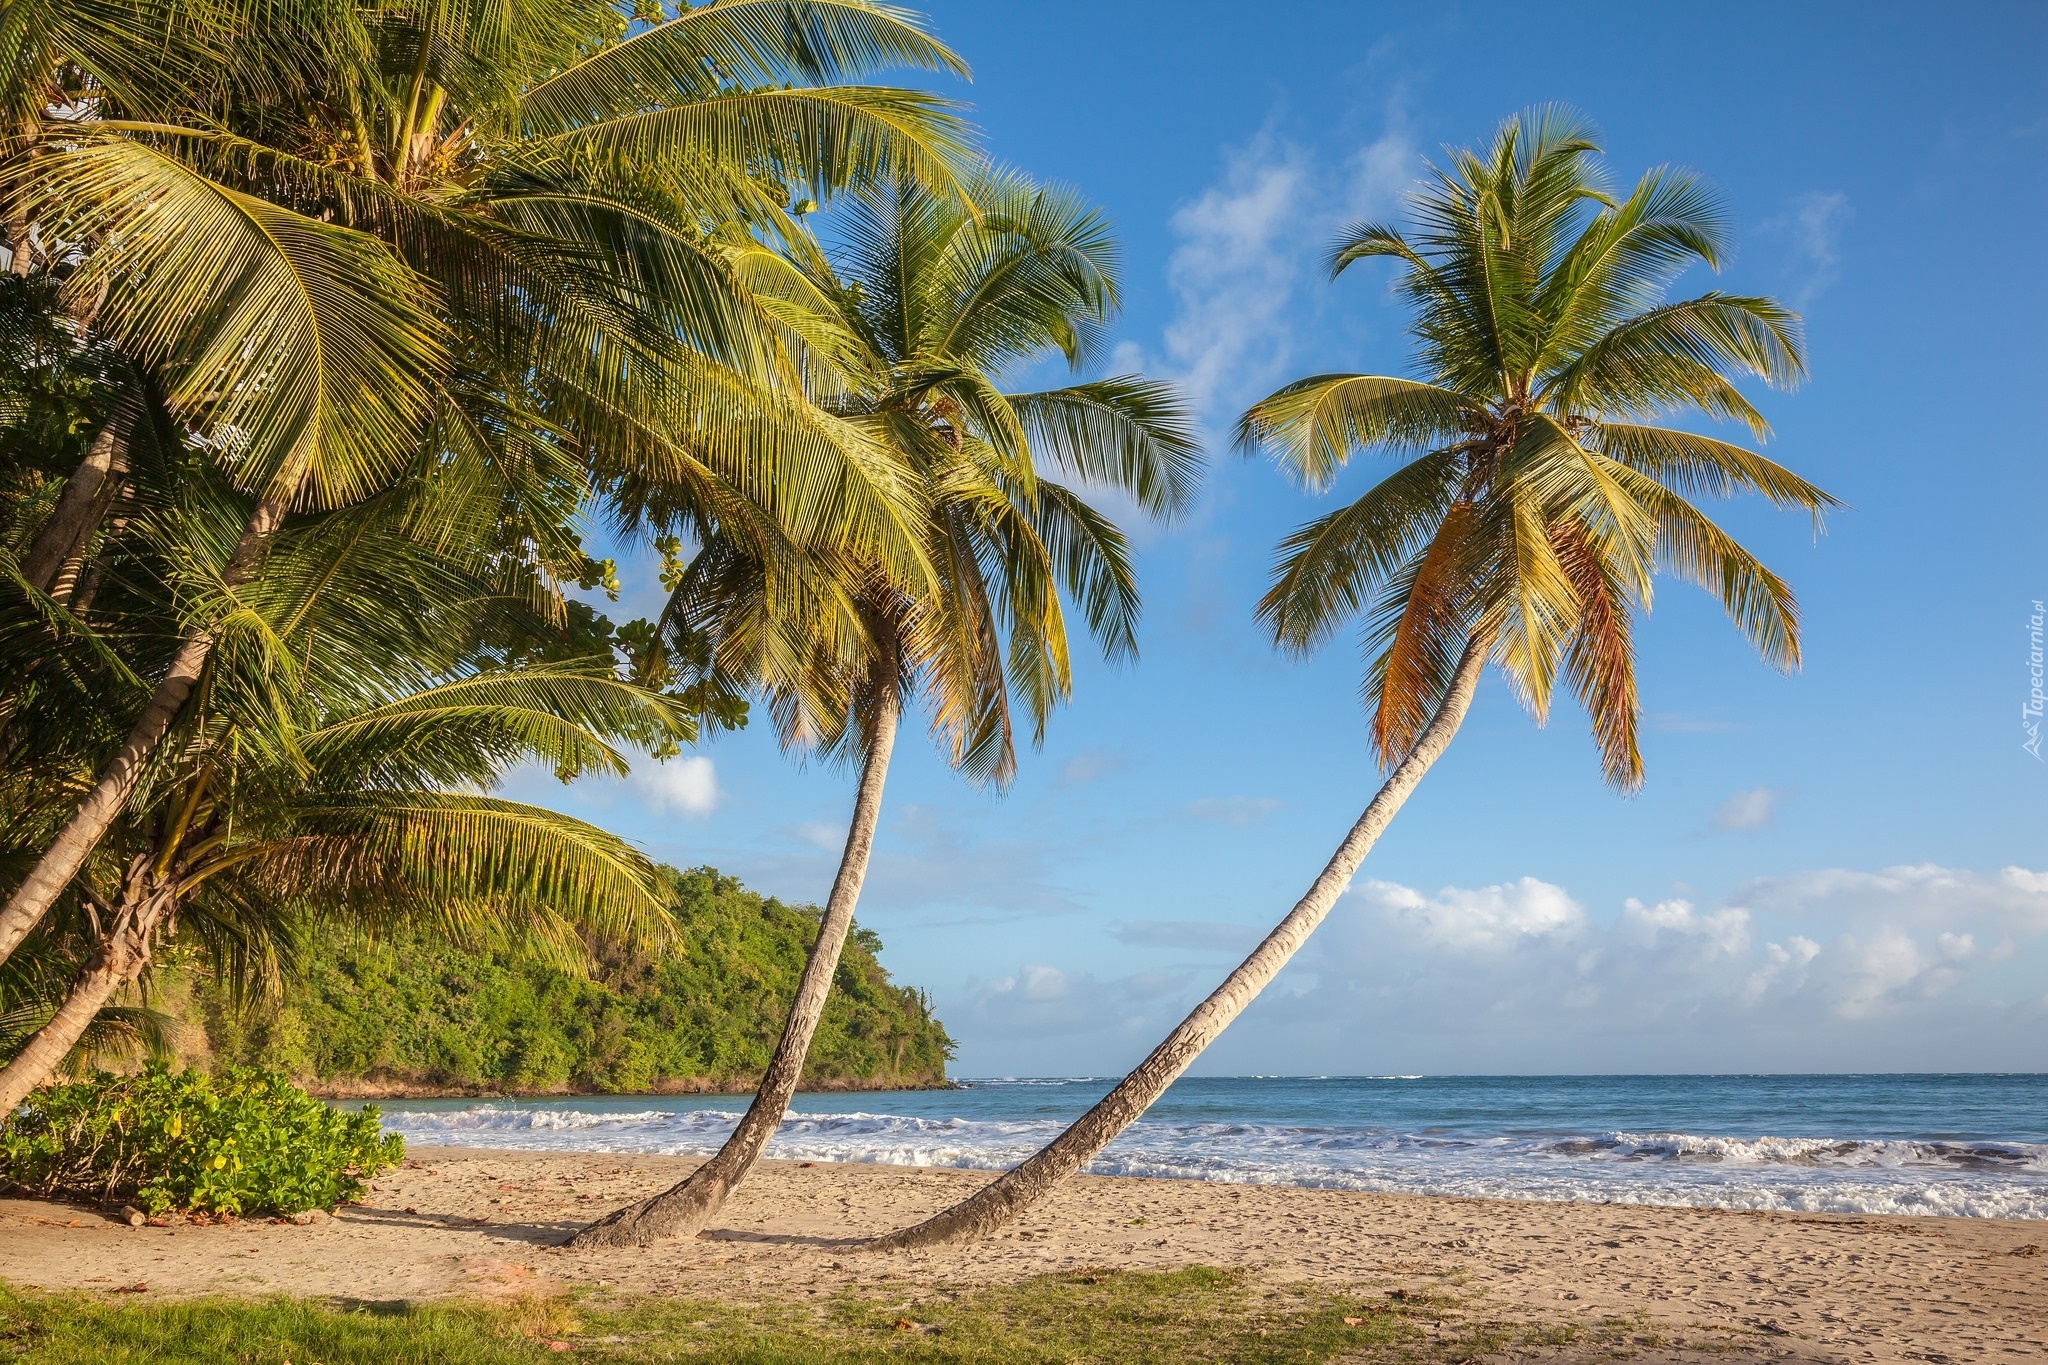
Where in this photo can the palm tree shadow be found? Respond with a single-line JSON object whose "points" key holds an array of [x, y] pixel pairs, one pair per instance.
{"points": [[780, 1239], [549, 1233]]}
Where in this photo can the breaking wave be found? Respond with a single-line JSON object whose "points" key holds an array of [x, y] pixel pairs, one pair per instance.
{"points": [[1810, 1174]]}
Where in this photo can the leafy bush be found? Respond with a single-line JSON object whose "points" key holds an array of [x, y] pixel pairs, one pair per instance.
{"points": [[246, 1141]]}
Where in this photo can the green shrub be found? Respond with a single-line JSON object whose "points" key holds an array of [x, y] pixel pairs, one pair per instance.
{"points": [[246, 1141]]}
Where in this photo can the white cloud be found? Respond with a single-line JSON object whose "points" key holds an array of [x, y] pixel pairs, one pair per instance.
{"points": [[680, 786], [1918, 967], [1246, 246], [1720, 932], [2012, 900], [1234, 273], [1487, 917], [1814, 223], [1749, 810], [1871, 963]]}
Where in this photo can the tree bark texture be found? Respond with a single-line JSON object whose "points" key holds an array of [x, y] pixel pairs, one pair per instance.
{"points": [[87, 494], [117, 960]]}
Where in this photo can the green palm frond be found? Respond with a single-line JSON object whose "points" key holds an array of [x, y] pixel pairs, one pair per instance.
{"points": [[471, 858], [1694, 465], [1314, 424], [824, 139], [1326, 571], [743, 43], [466, 730], [1544, 505], [1124, 432], [302, 350], [905, 330]]}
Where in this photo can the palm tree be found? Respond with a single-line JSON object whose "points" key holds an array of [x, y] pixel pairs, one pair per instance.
{"points": [[350, 731], [1525, 526], [389, 218], [929, 306]]}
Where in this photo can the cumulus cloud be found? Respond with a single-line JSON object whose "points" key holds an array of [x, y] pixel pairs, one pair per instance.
{"points": [[1753, 809], [680, 786], [1481, 918], [2011, 900], [1865, 963], [1906, 967]]}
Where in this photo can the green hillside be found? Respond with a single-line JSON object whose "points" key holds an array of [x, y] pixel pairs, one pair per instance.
{"points": [[407, 1013]]}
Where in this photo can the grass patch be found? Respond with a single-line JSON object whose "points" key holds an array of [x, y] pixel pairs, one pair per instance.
{"points": [[1129, 1318]]}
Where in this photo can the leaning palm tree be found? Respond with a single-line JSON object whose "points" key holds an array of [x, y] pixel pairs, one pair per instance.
{"points": [[383, 218], [351, 730], [1526, 524], [35, 983], [929, 306]]}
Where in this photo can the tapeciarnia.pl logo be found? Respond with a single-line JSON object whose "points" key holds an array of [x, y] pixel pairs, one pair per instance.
{"points": [[2030, 714]]}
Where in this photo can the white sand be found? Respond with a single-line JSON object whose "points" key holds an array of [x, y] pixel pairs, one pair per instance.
{"points": [[1774, 1286]]}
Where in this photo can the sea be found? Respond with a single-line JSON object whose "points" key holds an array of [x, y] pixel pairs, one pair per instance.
{"points": [[1968, 1145]]}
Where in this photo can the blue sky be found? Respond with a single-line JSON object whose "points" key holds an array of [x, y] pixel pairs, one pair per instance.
{"points": [[1844, 869]]}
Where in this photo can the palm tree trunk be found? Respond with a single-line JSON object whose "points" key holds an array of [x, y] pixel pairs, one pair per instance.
{"points": [[1017, 1189], [82, 833], [117, 960], [684, 1209], [20, 256], [87, 495]]}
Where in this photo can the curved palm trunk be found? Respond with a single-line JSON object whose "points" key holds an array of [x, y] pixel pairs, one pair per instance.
{"points": [[117, 960], [87, 495], [685, 1208], [1017, 1189], [82, 833]]}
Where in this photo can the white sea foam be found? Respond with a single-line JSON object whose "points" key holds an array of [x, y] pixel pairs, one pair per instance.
{"points": [[1811, 1174]]}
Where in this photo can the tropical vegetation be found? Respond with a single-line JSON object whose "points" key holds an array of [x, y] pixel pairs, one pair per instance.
{"points": [[408, 1010], [327, 240], [331, 330], [347, 313], [244, 1142], [357, 705]]}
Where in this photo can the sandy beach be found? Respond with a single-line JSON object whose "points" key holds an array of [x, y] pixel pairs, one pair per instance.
{"points": [[464, 1222]]}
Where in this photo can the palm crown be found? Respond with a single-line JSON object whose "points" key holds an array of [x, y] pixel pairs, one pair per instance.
{"points": [[908, 333], [1537, 503], [367, 214]]}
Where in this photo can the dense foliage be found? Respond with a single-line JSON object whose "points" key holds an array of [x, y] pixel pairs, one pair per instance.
{"points": [[414, 1009], [246, 1141]]}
